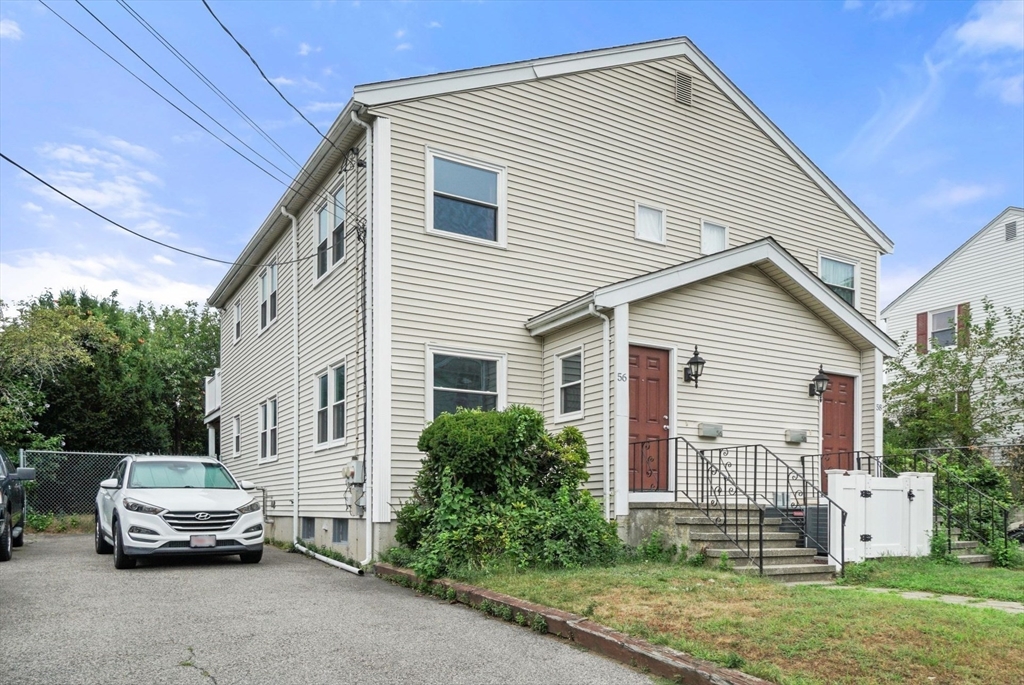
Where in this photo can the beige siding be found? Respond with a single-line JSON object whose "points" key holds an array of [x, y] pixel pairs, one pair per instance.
{"points": [[762, 348], [580, 150]]}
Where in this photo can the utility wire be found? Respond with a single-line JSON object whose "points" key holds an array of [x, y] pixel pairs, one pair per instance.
{"points": [[265, 78], [354, 230]]}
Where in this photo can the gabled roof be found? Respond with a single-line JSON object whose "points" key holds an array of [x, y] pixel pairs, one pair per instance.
{"points": [[389, 92], [935, 269], [765, 254]]}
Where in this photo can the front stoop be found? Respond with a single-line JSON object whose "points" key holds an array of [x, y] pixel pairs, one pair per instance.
{"points": [[654, 659], [967, 552], [683, 523]]}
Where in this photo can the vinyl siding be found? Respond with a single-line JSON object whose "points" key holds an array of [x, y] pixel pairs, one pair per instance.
{"points": [[580, 150]]}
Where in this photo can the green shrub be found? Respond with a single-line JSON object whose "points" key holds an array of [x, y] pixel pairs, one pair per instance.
{"points": [[1008, 554], [939, 550], [496, 488], [651, 549]]}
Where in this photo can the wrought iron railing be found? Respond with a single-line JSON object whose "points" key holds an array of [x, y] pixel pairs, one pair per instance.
{"points": [[788, 493], [674, 465]]}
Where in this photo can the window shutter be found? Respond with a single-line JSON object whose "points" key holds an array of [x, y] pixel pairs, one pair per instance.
{"points": [[922, 332], [963, 333]]}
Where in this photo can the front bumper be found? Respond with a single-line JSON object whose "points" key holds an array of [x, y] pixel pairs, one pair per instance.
{"points": [[166, 541]]}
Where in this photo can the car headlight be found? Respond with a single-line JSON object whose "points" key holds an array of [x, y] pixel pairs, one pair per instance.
{"points": [[252, 506], [140, 507]]}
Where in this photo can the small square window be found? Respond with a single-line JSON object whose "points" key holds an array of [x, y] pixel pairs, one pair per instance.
{"points": [[840, 277], [340, 532], [570, 383], [650, 224], [713, 237], [944, 328], [465, 198], [308, 527]]}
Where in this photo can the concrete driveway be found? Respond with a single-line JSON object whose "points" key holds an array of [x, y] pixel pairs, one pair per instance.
{"points": [[67, 617]]}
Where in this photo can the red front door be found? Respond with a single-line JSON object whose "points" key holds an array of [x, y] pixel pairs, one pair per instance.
{"points": [[648, 419], [837, 426]]}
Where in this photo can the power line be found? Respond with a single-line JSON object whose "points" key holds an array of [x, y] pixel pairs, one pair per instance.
{"points": [[265, 78]]}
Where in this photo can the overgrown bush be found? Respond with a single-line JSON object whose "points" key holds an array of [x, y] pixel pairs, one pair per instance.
{"points": [[496, 488]]}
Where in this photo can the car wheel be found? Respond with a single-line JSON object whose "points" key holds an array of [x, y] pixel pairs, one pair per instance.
{"points": [[251, 557], [102, 546], [5, 542], [121, 560]]}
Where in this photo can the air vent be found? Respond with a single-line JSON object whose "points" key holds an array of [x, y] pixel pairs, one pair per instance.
{"points": [[684, 89], [1011, 230]]}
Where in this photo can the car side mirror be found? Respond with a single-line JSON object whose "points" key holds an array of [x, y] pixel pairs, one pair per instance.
{"points": [[109, 484], [25, 473], [247, 485]]}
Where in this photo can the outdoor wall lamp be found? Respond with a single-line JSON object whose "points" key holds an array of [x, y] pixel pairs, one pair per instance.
{"points": [[818, 384], [694, 368]]}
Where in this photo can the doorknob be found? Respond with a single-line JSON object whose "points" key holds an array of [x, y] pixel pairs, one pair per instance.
{"points": [[665, 417], [665, 427]]}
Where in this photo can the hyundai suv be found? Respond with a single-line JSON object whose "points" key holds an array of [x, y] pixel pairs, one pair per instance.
{"points": [[162, 505]]}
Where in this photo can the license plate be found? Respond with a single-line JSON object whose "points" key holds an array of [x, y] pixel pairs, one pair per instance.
{"points": [[203, 541]]}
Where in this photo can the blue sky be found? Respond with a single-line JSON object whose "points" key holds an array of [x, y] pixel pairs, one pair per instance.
{"points": [[916, 110]]}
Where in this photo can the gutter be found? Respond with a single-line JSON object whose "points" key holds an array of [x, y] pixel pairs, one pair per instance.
{"points": [[328, 560], [606, 431], [295, 373]]}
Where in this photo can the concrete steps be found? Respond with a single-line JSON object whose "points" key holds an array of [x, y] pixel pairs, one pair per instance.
{"points": [[742, 521], [780, 556], [792, 573]]}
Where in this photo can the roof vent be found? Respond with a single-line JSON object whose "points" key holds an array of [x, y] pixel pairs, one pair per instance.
{"points": [[1011, 230], [684, 89]]}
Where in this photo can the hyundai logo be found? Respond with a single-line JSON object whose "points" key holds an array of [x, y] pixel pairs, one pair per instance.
{"points": [[202, 516]]}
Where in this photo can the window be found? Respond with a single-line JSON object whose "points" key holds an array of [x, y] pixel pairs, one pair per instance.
{"points": [[238, 320], [338, 235], [237, 434], [268, 429], [308, 527], [321, 409], [943, 331], [465, 198], [268, 296], [569, 368], [650, 223], [713, 237], [322, 239], [839, 276], [471, 380], [340, 532], [338, 404]]}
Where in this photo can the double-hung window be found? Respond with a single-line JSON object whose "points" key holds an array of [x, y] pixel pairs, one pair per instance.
{"points": [[268, 429], [238, 320], [330, 405], [338, 403], [466, 380], [569, 370], [841, 277], [943, 328], [338, 234], [322, 416], [268, 296], [236, 435], [323, 237], [465, 198], [330, 233], [714, 237]]}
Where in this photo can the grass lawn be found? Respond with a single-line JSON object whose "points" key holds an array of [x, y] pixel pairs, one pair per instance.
{"points": [[929, 576], [791, 635]]}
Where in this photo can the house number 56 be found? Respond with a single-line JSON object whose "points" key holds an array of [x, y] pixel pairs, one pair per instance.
{"points": [[622, 378]]}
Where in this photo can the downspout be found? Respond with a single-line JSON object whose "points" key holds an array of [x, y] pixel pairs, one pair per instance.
{"points": [[368, 354], [295, 373], [606, 428]]}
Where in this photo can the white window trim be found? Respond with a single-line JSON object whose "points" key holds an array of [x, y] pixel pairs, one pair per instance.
{"points": [[331, 442], [236, 323], [637, 204], [329, 205], [576, 415], [432, 349], [259, 299], [931, 330], [716, 222], [502, 220], [260, 459], [236, 435], [852, 261]]}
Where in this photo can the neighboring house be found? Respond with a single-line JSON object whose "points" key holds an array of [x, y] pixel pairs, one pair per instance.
{"points": [[989, 265], [561, 233]]}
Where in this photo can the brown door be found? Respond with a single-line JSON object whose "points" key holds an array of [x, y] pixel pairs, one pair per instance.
{"points": [[648, 419], [837, 426]]}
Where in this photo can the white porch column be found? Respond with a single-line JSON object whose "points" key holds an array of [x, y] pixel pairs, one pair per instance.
{"points": [[622, 409]]}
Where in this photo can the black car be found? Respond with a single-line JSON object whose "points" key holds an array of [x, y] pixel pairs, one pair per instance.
{"points": [[12, 505]]}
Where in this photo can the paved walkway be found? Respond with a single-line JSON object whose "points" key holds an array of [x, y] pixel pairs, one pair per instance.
{"points": [[1008, 607]]}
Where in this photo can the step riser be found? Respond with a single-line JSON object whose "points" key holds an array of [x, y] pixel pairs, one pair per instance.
{"points": [[704, 521], [742, 544], [743, 562]]}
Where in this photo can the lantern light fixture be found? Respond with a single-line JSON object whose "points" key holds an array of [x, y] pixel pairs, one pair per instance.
{"points": [[694, 368], [818, 384]]}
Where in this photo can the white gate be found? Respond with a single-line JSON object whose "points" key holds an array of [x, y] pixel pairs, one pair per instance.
{"points": [[885, 516]]}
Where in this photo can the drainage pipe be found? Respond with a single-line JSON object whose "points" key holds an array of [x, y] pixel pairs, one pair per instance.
{"points": [[295, 373], [368, 353], [328, 560], [606, 428]]}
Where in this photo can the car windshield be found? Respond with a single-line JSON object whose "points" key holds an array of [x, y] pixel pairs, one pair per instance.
{"points": [[180, 474]]}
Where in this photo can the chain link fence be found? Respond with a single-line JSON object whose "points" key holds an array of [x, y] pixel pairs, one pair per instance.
{"points": [[66, 482]]}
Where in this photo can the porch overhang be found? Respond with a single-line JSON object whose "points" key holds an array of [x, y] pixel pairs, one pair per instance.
{"points": [[765, 255]]}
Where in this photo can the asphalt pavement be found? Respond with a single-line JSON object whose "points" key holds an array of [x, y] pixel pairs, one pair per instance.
{"points": [[67, 617]]}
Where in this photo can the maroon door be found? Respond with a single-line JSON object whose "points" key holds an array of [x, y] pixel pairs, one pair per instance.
{"points": [[837, 426], [649, 448]]}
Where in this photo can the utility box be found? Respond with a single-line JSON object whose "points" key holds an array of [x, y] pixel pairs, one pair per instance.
{"points": [[355, 473], [709, 430], [794, 436]]}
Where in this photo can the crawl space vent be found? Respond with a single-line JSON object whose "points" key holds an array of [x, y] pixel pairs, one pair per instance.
{"points": [[684, 89], [1011, 230]]}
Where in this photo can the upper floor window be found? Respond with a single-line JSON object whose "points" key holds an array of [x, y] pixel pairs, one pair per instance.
{"points": [[236, 435], [469, 380], [840, 277], [338, 235], [330, 233], [238, 320], [650, 223], [466, 198], [569, 368], [943, 328], [268, 296], [713, 237]]}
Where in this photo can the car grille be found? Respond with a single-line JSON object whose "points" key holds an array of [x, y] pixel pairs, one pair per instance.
{"points": [[186, 521], [182, 544]]}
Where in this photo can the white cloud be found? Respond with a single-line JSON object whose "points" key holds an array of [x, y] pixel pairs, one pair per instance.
{"points": [[10, 29], [32, 207], [947, 195], [403, 46], [1010, 89], [160, 259], [889, 9], [437, 24], [306, 48], [323, 106], [301, 81], [190, 137], [896, 282], [400, 33], [993, 26], [282, 81]]}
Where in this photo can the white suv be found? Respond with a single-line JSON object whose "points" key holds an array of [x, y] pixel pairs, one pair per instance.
{"points": [[162, 505]]}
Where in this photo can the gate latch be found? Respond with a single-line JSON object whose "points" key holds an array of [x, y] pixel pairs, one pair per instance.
{"points": [[865, 538], [911, 495], [865, 493]]}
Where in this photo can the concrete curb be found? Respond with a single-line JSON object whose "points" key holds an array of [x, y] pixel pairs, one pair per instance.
{"points": [[657, 660]]}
